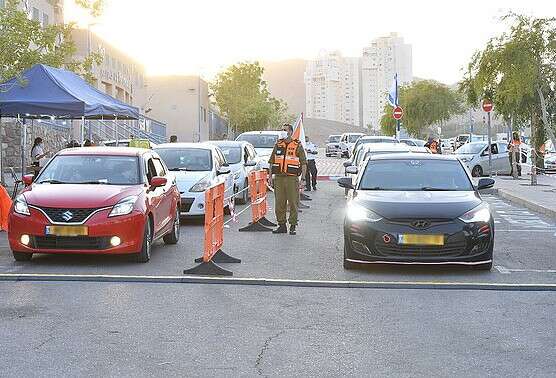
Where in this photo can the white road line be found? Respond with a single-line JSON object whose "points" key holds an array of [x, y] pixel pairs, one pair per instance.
{"points": [[501, 269], [504, 270], [497, 230]]}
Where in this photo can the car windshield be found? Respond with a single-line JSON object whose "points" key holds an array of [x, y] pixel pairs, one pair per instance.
{"points": [[471, 148], [232, 153], [91, 169], [190, 159], [375, 140], [462, 138], [259, 140], [406, 174], [413, 142], [353, 138], [334, 139]]}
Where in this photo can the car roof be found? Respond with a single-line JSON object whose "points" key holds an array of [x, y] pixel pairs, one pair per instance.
{"points": [[238, 143], [384, 147], [201, 145], [354, 134], [260, 132], [104, 151], [378, 137], [414, 157]]}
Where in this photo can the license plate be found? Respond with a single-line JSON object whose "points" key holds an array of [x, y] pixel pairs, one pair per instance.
{"points": [[66, 230], [418, 239]]}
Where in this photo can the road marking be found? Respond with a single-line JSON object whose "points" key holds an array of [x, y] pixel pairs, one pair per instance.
{"points": [[501, 269], [504, 270], [423, 285], [497, 230]]}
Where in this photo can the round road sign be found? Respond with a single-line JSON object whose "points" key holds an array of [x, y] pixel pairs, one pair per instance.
{"points": [[398, 113], [487, 106]]}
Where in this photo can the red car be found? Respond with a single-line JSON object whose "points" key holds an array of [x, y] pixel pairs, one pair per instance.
{"points": [[96, 200]]}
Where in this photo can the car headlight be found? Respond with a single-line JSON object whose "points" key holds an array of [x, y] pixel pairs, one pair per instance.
{"points": [[124, 207], [20, 205], [479, 214], [357, 213], [465, 159], [200, 186]]}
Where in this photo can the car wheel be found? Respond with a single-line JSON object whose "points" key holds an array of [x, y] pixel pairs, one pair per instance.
{"points": [[174, 236], [22, 256], [348, 265], [145, 254], [244, 195], [477, 171]]}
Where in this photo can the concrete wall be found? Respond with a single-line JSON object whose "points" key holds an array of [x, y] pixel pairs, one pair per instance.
{"points": [[177, 101]]}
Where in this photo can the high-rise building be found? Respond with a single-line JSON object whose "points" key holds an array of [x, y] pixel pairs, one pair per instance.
{"points": [[332, 88], [385, 57], [47, 12]]}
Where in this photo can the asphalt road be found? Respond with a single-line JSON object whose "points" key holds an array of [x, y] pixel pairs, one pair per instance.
{"points": [[113, 329], [524, 250]]}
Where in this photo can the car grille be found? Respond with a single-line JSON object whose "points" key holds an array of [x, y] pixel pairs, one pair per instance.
{"points": [[186, 204], [71, 242], [61, 215], [450, 248]]}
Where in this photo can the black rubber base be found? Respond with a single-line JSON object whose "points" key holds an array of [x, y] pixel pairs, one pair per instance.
{"points": [[255, 227], [221, 257], [266, 222], [208, 269], [304, 197]]}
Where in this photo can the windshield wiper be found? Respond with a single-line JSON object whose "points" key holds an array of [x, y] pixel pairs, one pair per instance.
{"points": [[432, 189], [374, 188], [91, 182], [52, 181], [177, 169]]}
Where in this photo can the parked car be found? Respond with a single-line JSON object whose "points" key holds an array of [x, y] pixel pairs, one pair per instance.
{"points": [[96, 200], [399, 213], [475, 156], [127, 142], [413, 142], [347, 142], [333, 145], [373, 139], [196, 167], [242, 159], [263, 141]]}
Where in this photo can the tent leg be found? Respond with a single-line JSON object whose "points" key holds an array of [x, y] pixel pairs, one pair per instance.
{"points": [[82, 131]]}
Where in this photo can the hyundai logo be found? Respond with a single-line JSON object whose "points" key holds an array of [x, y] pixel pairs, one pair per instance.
{"points": [[420, 224], [68, 215]]}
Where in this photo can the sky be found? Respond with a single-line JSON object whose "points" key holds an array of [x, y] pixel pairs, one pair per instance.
{"points": [[203, 37]]}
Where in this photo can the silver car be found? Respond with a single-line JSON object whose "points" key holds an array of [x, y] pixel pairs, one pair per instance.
{"points": [[475, 156]]}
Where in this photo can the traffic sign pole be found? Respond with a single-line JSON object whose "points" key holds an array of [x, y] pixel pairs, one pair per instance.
{"points": [[489, 146]]}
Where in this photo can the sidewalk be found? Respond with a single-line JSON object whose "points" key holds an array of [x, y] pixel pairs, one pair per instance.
{"points": [[540, 198]]}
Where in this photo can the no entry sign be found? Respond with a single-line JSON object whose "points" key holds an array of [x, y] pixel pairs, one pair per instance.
{"points": [[487, 106], [398, 113]]}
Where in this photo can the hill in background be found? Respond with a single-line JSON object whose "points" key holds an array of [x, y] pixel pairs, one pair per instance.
{"points": [[285, 81]]}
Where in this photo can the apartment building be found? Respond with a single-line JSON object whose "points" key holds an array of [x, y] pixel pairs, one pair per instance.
{"points": [[47, 12]]}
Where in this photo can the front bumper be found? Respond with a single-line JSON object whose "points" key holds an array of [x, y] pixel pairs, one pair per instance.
{"points": [[192, 203], [129, 228], [378, 242]]}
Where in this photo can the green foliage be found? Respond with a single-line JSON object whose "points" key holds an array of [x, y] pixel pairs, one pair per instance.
{"points": [[94, 7], [425, 103], [510, 69], [24, 43], [243, 97]]}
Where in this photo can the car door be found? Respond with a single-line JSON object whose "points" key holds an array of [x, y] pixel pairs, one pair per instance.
{"points": [[166, 196], [228, 178], [154, 195]]}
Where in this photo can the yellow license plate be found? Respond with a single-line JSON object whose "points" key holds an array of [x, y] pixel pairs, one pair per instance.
{"points": [[414, 239], [66, 230]]}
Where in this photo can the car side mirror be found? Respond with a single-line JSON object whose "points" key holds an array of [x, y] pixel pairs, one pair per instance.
{"points": [[347, 164], [352, 170], [223, 171], [485, 183], [28, 179], [346, 182], [157, 181], [250, 163]]}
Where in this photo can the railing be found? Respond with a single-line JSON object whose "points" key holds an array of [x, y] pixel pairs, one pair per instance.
{"points": [[111, 130]]}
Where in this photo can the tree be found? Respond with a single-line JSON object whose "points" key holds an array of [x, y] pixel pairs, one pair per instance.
{"points": [[243, 97], [24, 43], [426, 103], [514, 70]]}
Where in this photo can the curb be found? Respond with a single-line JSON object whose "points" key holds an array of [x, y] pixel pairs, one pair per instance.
{"points": [[531, 205], [21, 277]]}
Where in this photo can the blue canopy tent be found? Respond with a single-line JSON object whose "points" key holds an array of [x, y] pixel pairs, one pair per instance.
{"points": [[46, 92]]}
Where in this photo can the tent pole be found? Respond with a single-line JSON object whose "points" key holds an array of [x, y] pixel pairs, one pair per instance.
{"points": [[82, 131], [23, 144], [116, 128]]}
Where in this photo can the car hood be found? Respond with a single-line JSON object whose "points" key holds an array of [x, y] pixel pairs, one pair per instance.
{"points": [[418, 204], [78, 195], [185, 180], [264, 152]]}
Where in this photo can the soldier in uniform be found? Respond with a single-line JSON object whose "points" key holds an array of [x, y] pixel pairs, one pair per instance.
{"points": [[288, 162]]}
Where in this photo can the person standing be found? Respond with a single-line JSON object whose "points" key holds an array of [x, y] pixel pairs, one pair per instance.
{"points": [[287, 161], [514, 153], [173, 139], [311, 175], [37, 154]]}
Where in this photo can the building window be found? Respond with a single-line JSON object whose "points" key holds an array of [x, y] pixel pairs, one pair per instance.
{"points": [[2, 3], [36, 15], [44, 20]]}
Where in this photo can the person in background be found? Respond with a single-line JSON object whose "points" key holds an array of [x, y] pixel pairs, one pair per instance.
{"points": [[311, 175], [173, 139], [87, 143], [515, 146], [224, 136], [432, 145], [37, 154]]}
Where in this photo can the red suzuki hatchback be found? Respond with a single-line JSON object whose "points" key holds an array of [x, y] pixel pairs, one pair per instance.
{"points": [[96, 200]]}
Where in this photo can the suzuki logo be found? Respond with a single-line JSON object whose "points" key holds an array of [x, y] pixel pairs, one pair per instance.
{"points": [[68, 215], [420, 224]]}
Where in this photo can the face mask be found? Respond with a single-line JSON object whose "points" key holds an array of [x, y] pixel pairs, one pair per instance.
{"points": [[283, 134]]}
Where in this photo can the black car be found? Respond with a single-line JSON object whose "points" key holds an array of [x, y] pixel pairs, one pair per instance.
{"points": [[417, 209]]}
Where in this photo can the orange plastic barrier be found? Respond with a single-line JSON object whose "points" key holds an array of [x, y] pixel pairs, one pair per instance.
{"points": [[214, 237], [5, 205], [259, 205]]}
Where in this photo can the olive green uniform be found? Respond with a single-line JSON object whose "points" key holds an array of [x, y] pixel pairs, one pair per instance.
{"points": [[286, 190]]}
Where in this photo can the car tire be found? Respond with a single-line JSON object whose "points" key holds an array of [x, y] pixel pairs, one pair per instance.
{"points": [[348, 265], [477, 171], [22, 256], [244, 195], [174, 236], [145, 254]]}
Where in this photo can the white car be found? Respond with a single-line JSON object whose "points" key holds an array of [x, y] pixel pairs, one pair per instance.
{"points": [[475, 156], [373, 139], [196, 167], [413, 142], [347, 142], [263, 141], [242, 159], [333, 145]]}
